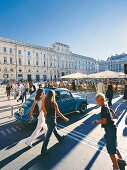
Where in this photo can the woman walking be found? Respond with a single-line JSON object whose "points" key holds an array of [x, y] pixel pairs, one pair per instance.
{"points": [[50, 108], [38, 101], [23, 92], [8, 91], [109, 93], [15, 90]]}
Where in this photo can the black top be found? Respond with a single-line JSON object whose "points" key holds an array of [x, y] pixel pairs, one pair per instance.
{"points": [[106, 113], [109, 93], [50, 110], [8, 88]]}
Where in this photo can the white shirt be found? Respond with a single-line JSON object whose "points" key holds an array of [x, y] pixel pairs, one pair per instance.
{"points": [[100, 88]]}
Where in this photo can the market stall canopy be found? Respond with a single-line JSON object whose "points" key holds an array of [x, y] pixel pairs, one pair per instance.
{"points": [[74, 76], [122, 75], [107, 74]]}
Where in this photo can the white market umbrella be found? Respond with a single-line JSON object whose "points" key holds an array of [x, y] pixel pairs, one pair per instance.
{"points": [[74, 76], [122, 75], [105, 74]]}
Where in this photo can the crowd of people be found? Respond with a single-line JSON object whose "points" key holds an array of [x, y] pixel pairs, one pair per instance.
{"points": [[108, 88], [48, 111], [87, 86], [20, 90]]}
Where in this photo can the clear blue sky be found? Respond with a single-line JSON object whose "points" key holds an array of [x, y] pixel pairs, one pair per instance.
{"points": [[96, 28]]}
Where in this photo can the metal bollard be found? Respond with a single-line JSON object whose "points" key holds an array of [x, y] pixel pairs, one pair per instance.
{"points": [[11, 110]]}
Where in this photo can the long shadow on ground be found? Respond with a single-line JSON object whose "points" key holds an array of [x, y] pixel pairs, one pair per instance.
{"points": [[59, 151]]}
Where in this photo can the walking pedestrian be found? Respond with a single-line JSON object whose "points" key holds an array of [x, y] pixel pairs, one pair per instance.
{"points": [[41, 120], [55, 84], [110, 128], [27, 86], [15, 90], [8, 91], [109, 93], [32, 88], [73, 85], [50, 108], [23, 92]]}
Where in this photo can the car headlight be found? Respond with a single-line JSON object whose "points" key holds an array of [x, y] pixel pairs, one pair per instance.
{"points": [[21, 111]]}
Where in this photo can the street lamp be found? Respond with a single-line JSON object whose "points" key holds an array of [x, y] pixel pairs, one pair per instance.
{"points": [[16, 61]]}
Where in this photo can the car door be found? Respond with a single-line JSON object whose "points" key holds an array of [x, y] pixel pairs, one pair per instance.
{"points": [[61, 101], [71, 102], [66, 102]]}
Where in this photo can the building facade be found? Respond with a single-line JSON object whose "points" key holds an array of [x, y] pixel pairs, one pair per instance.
{"points": [[102, 65], [19, 60], [116, 63]]}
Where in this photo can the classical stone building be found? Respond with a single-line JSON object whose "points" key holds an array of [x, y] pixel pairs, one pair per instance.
{"points": [[116, 63], [102, 65], [19, 60]]}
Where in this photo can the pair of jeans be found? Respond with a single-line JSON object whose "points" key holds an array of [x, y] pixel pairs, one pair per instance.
{"points": [[110, 102], [15, 94], [23, 96], [51, 125]]}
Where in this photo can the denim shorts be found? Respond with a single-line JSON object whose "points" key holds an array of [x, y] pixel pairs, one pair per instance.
{"points": [[111, 140]]}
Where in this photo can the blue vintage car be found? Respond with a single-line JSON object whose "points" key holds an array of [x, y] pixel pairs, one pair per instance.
{"points": [[66, 101]]}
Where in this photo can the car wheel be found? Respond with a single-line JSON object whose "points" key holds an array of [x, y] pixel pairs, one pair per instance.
{"points": [[83, 107]]}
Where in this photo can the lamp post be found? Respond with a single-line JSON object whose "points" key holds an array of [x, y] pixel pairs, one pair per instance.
{"points": [[47, 64], [16, 62]]}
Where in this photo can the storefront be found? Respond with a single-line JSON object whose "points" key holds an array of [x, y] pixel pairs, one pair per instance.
{"points": [[37, 78], [5, 76], [20, 77], [29, 78], [44, 78]]}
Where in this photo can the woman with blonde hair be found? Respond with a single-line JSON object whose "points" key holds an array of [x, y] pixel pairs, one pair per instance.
{"points": [[51, 110]]}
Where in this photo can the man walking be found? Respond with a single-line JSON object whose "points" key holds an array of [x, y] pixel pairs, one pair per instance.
{"points": [[23, 92]]}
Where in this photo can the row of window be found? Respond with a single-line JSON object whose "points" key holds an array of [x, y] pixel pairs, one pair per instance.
{"points": [[67, 64], [11, 70], [5, 70], [58, 48], [19, 52], [50, 57], [116, 65], [37, 64], [19, 61]]}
